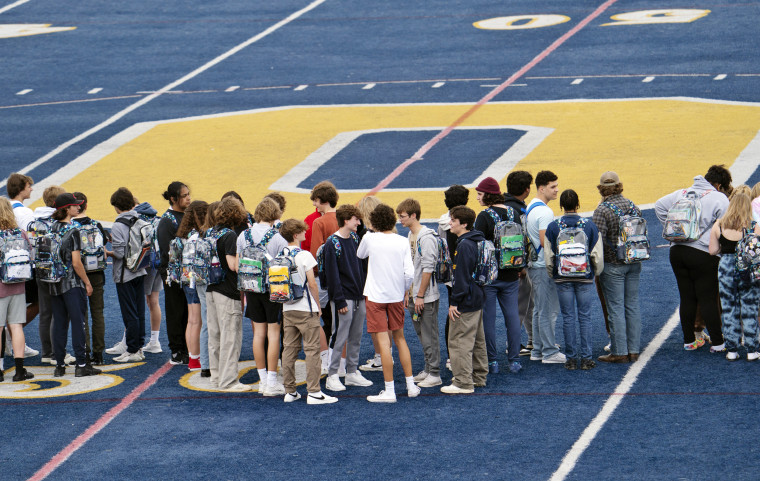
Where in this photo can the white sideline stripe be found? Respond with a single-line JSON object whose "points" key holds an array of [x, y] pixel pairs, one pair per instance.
{"points": [[720, 77], [368, 86], [437, 85], [23, 92], [647, 79], [747, 162], [168, 87], [232, 88], [301, 87], [576, 451], [12, 5], [576, 81], [95, 90]]}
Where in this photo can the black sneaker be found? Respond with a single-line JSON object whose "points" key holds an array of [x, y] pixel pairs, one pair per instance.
{"points": [[571, 364], [22, 375], [60, 371], [185, 358], [86, 370], [205, 372], [176, 359], [97, 358], [2, 376], [587, 364]]}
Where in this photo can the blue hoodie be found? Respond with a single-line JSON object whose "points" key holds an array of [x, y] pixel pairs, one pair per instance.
{"points": [[144, 208], [466, 295]]}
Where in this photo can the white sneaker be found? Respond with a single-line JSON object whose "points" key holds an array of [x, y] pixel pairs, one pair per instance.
{"points": [[262, 387], [118, 348], [342, 371], [274, 390], [383, 397], [420, 376], [718, 348], [29, 352], [153, 347], [732, 355], [238, 387], [753, 356], [127, 357], [608, 347], [291, 397], [556, 358], [373, 364], [412, 390], [452, 389], [48, 360], [320, 398], [356, 379], [333, 383], [430, 381], [448, 364], [69, 359]]}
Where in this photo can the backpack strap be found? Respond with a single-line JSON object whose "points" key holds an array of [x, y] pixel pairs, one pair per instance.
{"points": [[168, 215], [16, 204], [267, 237], [527, 211]]}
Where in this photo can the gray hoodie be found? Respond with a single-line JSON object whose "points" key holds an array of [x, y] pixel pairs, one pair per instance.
{"points": [[428, 245], [119, 240], [714, 205]]}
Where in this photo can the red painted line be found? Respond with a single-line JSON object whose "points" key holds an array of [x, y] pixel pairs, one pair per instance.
{"points": [[77, 443], [441, 135]]}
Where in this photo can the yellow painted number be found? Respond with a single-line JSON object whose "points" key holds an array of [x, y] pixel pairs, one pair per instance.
{"points": [[645, 17]]}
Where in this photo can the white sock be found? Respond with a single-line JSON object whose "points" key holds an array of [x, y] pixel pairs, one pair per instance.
{"points": [[124, 338], [389, 388], [271, 378], [378, 359], [324, 356], [195, 356], [329, 356], [263, 375], [410, 381], [154, 336], [342, 363]]}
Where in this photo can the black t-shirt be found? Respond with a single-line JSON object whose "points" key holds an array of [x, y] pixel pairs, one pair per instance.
{"points": [[226, 246], [485, 224]]}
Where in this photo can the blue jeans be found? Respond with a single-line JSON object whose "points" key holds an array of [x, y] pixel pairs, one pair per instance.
{"points": [[506, 293], [580, 295], [545, 312], [620, 283], [201, 290]]}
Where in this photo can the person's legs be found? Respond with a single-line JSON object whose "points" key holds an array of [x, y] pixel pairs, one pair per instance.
{"points": [[310, 334], [46, 320], [431, 346], [479, 357], [584, 298], [60, 328], [353, 344], [633, 310], [508, 297], [706, 287], [204, 327], [230, 317], [97, 305], [547, 306], [489, 318], [175, 305], [193, 330], [525, 306], [214, 337], [566, 295], [291, 342], [750, 300], [395, 312], [730, 303], [681, 263], [462, 336], [75, 300], [341, 324], [613, 285]]}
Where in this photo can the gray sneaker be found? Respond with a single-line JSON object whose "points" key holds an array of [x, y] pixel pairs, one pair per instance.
{"points": [[556, 358]]}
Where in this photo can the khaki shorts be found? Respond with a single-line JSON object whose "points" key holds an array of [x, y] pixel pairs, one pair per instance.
{"points": [[13, 309], [384, 317]]}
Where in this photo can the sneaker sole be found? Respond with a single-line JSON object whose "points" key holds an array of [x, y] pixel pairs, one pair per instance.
{"points": [[356, 384], [389, 401], [422, 384], [370, 369], [321, 401]]}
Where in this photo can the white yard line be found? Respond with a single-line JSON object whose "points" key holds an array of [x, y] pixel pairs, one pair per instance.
{"points": [[13, 5]]}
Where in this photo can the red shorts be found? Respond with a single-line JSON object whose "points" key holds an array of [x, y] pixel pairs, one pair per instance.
{"points": [[384, 317]]}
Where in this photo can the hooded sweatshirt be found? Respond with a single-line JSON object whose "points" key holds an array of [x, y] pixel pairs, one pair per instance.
{"points": [[714, 205], [43, 212], [119, 241], [145, 209], [424, 258], [466, 295]]}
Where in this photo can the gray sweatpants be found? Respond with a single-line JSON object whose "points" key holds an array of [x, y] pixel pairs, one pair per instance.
{"points": [[347, 331], [426, 327]]}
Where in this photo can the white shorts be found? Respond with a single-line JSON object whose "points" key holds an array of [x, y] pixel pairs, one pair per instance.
{"points": [[13, 309]]}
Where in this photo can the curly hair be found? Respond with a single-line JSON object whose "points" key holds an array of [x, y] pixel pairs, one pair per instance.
{"points": [[230, 213], [194, 218], [492, 199], [291, 228], [346, 212], [455, 195], [7, 217], [211, 215], [383, 218], [122, 199], [608, 190]]}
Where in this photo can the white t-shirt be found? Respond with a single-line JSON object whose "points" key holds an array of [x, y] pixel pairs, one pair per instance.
{"points": [[304, 261], [391, 271], [24, 215], [537, 220], [258, 230]]}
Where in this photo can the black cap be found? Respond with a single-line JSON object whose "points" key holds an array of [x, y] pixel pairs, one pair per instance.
{"points": [[66, 200]]}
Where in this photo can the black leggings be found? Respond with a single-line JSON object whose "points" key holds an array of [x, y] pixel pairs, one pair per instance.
{"points": [[696, 273], [175, 309]]}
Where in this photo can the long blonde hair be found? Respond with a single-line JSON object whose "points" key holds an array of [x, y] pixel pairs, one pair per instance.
{"points": [[755, 191], [7, 217], [739, 213], [741, 189], [366, 205]]}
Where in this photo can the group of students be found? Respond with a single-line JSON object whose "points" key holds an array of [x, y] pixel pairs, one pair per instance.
{"points": [[346, 264]]}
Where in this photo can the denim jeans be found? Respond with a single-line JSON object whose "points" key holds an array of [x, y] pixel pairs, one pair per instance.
{"points": [[506, 294], [578, 295], [545, 312], [201, 290], [620, 283]]}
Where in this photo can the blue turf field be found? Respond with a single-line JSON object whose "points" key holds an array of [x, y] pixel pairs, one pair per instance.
{"points": [[688, 415]]}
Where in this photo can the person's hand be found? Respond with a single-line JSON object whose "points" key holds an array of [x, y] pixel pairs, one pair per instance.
{"points": [[419, 305], [343, 310], [453, 313], [88, 287]]}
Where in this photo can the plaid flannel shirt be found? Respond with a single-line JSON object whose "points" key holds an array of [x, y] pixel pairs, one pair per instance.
{"points": [[609, 224]]}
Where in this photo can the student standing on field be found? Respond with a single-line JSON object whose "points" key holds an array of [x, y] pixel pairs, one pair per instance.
{"points": [[546, 303], [129, 284], [422, 299], [505, 288], [175, 303], [389, 276], [467, 344], [345, 277], [300, 319]]}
